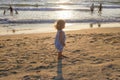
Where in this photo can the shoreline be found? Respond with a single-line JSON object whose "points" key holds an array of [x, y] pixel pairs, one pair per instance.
{"points": [[81, 31], [50, 29]]}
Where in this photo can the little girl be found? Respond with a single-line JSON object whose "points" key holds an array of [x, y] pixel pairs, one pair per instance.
{"points": [[60, 37]]}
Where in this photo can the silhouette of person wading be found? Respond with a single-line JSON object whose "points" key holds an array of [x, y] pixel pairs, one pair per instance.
{"points": [[100, 8], [92, 8], [11, 10]]}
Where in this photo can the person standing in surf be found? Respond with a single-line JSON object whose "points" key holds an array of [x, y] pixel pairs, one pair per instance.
{"points": [[92, 8], [11, 10], [100, 8]]}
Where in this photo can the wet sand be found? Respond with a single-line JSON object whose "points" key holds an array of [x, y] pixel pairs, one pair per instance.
{"points": [[93, 54]]}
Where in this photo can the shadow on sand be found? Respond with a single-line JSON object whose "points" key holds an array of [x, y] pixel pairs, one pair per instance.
{"points": [[59, 71]]}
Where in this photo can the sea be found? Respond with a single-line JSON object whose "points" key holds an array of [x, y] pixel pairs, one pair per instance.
{"points": [[39, 16]]}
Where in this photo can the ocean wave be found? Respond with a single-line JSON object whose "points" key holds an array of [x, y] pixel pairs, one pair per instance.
{"points": [[55, 8], [7, 21], [50, 9], [59, 9], [111, 6]]}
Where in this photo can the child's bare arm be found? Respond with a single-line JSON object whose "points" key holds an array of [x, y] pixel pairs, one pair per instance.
{"points": [[61, 38]]}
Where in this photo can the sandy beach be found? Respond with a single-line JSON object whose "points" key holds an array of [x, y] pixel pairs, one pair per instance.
{"points": [[92, 54]]}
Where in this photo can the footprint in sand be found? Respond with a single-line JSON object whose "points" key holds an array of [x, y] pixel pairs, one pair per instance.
{"points": [[3, 74], [2, 45], [97, 61], [31, 77], [76, 51]]}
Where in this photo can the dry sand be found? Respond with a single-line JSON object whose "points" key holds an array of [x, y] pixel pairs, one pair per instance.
{"points": [[93, 54]]}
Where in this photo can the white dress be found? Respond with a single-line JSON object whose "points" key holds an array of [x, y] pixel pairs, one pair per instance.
{"points": [[58, 45]]}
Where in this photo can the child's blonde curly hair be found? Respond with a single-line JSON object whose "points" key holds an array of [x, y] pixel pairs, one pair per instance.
{"points": [[60, 24]]}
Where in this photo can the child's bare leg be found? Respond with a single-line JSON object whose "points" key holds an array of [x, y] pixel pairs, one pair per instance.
{"points": [[59, 55]]}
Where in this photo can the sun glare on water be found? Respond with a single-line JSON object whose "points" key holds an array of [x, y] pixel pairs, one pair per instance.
{"points": [[63, 1], [64, 14]]}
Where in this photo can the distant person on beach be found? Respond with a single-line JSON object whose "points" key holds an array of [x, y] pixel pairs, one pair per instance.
{"points": [[60, 37], [11, 10], [92, 8], [100, 8], [16, 12], [4, 12]]}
